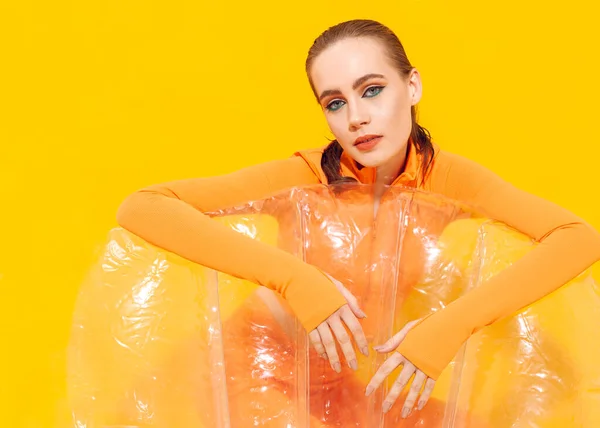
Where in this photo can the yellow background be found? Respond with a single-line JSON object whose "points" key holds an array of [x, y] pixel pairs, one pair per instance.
{"points": [[103, 97]]}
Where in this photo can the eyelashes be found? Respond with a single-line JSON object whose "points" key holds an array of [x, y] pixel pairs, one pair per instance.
{"points": [[375, 91], [334, 105], [370, 92]]}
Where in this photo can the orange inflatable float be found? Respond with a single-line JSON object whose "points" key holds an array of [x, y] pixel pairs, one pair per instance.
{"points": [[159, 341]]}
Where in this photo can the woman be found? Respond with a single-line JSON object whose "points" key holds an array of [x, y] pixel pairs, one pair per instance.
{"points": [[368, 91]]}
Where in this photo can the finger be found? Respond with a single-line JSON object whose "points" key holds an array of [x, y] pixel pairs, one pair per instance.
{"points": [[350, 299], [330, 348], [315, 339], [415, 388], [396, 339], [398, 386], [384, 371], [429, 384], [353, 305], [356, 330], [344, 340]]}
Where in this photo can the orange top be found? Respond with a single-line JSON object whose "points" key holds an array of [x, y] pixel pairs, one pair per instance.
{"points": [[170, 216]]}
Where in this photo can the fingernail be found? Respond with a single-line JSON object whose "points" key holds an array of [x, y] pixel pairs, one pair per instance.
{"points": [[337, 367], [324, 355], [365, 351], [353, 365], [387, 407], [405, 412], [421, 404], [363, 314], [368, 391]]}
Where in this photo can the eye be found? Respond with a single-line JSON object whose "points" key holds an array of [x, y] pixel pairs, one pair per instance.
{"points": [[335, 105], [373, 91]]}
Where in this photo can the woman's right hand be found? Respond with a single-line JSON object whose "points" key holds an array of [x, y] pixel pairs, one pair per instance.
{"points": [[324, 337]]}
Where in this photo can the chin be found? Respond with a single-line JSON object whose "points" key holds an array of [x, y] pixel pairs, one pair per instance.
{"points": [[372, 159]]}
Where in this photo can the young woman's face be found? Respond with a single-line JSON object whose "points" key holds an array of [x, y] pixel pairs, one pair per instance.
{"points": [[367, 103]]}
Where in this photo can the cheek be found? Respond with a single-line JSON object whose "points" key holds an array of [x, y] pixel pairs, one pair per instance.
{"points": [[337, 125], [395, 115]]}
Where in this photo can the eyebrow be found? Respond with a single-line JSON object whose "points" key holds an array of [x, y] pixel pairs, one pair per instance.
{"points": [[355, 85]]}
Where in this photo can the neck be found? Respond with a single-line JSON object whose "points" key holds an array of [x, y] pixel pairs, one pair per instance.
{"points": [[386, 174]]}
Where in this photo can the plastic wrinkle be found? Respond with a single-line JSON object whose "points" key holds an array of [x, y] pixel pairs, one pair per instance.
{"points": [[158, 341]]}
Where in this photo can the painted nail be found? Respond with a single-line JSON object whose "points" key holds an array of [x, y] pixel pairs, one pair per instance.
{"points": [[353, 365], [387, 407], [337, 367], [405, 412]]}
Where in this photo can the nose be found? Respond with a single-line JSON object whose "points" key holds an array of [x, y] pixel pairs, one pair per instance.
{"points": [[358, 116]]}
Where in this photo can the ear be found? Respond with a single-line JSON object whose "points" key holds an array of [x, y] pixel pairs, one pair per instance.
{"points": [[415, 87]]}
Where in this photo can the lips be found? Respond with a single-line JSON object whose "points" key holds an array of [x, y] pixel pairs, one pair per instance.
{"points": [[367, 142], [365, 139]]}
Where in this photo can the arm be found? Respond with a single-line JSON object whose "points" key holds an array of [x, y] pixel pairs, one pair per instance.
{"points": [[171, 216], [567, 247]]}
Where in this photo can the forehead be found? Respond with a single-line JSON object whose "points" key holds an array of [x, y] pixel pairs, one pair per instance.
{"points": [[341, 64]]}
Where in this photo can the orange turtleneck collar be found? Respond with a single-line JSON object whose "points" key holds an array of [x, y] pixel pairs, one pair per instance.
{"points": [[368, 175]]}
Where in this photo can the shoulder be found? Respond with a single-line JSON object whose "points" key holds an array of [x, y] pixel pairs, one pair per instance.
{"points": [[301, 168], [312, 159], [284, 172], [454, 174], [447, 162]]}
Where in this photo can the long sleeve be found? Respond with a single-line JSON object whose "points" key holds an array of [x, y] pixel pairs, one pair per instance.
{"points": [[172, 216], [567, 247]]}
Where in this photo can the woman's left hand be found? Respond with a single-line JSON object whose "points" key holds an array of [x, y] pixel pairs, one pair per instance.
{"points": [[395, 360]]}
